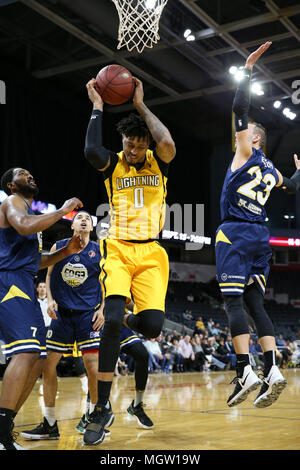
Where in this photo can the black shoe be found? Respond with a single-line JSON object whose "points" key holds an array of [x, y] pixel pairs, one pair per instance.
{"points": [[95, 431], [9, 442], [85, 420], [139, 413], [42, 431], [81, 426]]}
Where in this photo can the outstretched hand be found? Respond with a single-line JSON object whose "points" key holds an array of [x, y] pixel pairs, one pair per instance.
{"points": [[75, 244], [253, 58], [297, 161], [94, 96]]}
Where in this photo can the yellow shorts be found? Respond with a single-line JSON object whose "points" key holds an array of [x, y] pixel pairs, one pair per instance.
{"points": [[137, 271]]}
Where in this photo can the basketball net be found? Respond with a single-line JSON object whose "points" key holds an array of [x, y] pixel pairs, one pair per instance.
{"points": [[139, 22]]}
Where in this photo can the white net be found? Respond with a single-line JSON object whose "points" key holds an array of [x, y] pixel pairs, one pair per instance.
{"points": [[139, 22]]}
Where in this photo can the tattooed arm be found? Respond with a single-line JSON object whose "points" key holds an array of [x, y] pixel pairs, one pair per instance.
{"points": [[165, 146]]}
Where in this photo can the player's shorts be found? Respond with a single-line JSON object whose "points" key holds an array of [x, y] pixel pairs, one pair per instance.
{"points": [[71, 326], [242, 256], [135, 270], [22, 324]]}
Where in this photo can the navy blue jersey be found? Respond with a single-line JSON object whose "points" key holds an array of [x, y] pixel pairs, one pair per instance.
{"points": [[20, 252], [75, 280], [246, 190]]}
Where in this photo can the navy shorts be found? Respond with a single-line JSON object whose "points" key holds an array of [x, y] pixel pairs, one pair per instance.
{"points": [[22, 326], [69, 327], [243, 253]]}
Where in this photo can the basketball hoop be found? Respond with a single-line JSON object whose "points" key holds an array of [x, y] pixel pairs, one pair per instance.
{"points": [[139, 23]]}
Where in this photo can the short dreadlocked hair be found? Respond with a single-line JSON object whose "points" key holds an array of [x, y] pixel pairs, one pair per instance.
{"points": [[7, 177], [133, 126]]}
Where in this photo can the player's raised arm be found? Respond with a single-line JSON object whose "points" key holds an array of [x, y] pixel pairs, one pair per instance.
{"points": [[74, 245], [290, 185], [165, 146], [97, 155], [15, 210], [241, 105]]}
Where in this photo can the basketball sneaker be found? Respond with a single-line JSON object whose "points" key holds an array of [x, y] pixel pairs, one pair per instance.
{"points": [[85, 420], [273, 384], [100, 418], [42, 431], [8, 442], [243, 386], [139, 413]]}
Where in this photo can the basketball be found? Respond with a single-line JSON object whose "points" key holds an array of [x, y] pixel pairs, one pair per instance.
{"points": [[115, 84]]}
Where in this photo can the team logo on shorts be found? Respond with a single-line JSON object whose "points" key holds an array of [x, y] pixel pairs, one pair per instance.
{"points": [[74, 274], [94, 334], [92, 254], [224, 277]]}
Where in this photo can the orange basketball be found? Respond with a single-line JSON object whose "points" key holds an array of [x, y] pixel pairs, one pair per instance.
{"points": [[115, 84]]}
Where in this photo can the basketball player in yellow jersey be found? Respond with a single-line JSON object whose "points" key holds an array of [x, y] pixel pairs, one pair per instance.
{"points": [[133, 263]]}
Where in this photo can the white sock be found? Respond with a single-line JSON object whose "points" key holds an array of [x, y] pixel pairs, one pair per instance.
{"points": [[84, 380], [138, 397], [49, 414], [92, 407]]}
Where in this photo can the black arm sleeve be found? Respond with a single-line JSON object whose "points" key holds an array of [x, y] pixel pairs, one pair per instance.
{"points": [[241, 102], [291, 185], [97, 155]]}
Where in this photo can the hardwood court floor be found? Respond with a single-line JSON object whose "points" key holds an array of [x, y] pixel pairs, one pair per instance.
{"points": [[189, 412]]}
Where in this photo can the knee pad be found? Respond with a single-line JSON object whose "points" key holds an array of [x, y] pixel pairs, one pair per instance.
{"points": [[148, 322], [254, 301], [114, 313], [238, 323], [138, 352]]}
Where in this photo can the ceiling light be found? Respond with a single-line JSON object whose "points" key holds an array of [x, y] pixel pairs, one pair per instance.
{"points": [[239, 75], [187, 33], [150, 4], [233, 69], [277, 104], [256, 88], [191, 37]]}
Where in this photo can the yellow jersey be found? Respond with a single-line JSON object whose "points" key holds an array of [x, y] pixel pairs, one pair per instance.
{"points": [[137, 198]]}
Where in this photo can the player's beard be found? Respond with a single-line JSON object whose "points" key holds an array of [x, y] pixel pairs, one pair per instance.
{"points": [[26, 190]]}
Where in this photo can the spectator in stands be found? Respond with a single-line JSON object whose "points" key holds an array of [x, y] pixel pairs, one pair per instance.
{"points": [[221, 353], [200, 359], [190, 297], [255, 360], [214, 331], [228, 344], [210, 323], [187, 352], [43, 301], [155, 355], [209, 350], [285, 351], [199, 327], [187, 314], [176, 353], [166, 365]]}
